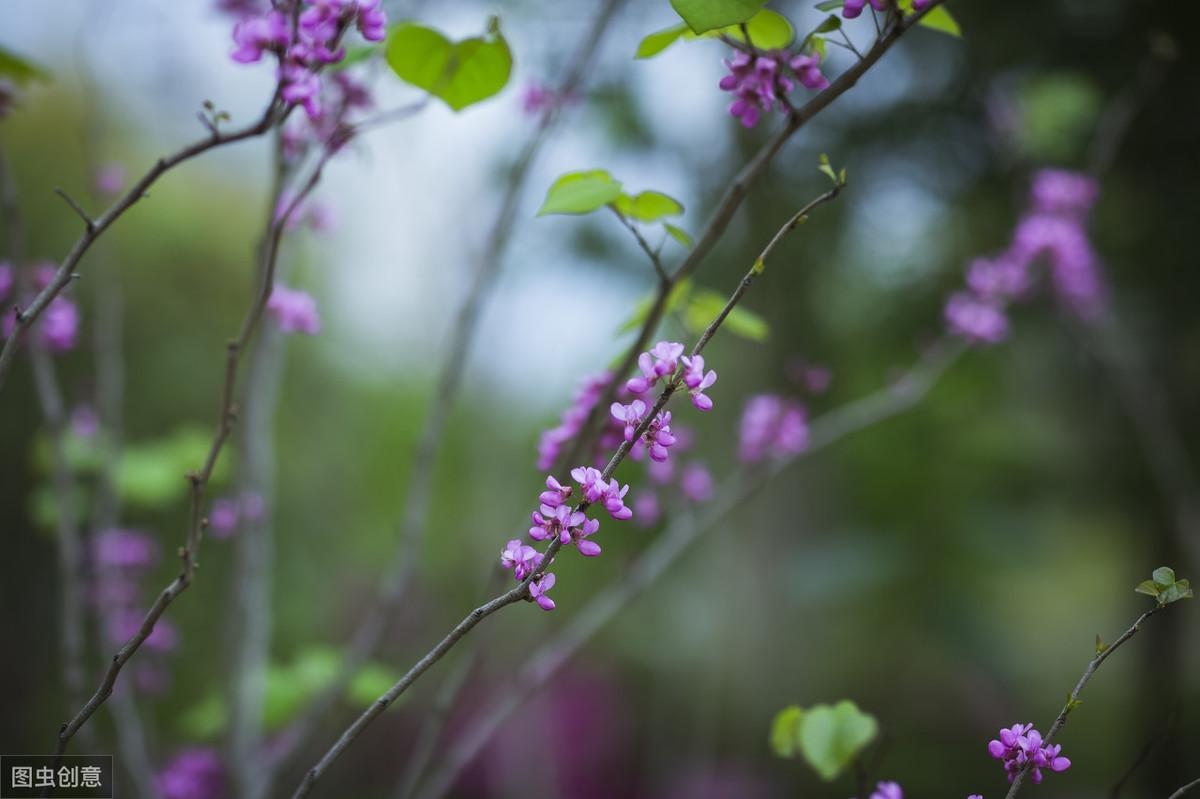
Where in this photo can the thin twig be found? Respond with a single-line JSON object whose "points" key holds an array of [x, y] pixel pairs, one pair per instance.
{"points": [[89, 224], [736, 491], [96, 228], [419, 491], [727, 206], [651, 253], [1073, 697], [198, 481], [521, 591], [1193, 784]]}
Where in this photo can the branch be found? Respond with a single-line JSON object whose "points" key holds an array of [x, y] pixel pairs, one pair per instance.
{"points": [[651, 253], [419, 491], [1185, 789], [727, 206], [199, 480], [521, 591], [96, 227], [1073, 697], [738, 490]]}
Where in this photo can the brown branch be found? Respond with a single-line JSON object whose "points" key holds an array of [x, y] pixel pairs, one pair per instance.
{"points": [[419, 491], [737, 490], [95, 228], [1073, 698], [521, 591]]}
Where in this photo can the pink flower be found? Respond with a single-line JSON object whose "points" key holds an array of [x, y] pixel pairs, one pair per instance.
{"points": [[60, 325], [887, 790], [772, 426], [6, 279], [223, 518], [555, 523], [975, 320], [630, 414], [696, 381], [538, 589], [294, 311], [660, 361], [116, 548], [696, 483], [109, 178], [521, 558], [591, 482], [555, 494], [256, 35], [614, 501], [646, 508]]}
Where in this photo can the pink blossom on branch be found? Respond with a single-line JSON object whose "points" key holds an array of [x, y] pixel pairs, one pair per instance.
{"points": [[294, 311]]}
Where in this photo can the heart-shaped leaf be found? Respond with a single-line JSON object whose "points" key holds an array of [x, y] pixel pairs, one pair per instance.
{"points": [[648, 206], [707, 15], [580, 193], [459, 73], [831, 737]]}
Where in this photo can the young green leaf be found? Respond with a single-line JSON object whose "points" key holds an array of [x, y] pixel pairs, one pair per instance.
{"points": [[679, 234], [460, 74], [707, 15], [831, 737], [830, 24], [1147, 587], [768, 31], [703, 307], [580, 193], [785, 730], [1164, 576], [658, 41], [648, 206], [941, 20], [829, 5]]}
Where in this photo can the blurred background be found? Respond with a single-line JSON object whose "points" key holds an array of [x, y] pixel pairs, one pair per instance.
{"points": [[947, 569]]}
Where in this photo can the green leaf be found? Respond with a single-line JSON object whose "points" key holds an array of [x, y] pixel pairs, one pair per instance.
{"points": [[941, 20], [679, 234], [206, 719], [1100, 645], [830, 24], [580, 193], [1148, 588], [648, 206], [1164, 576], [825, 168], [19, 70], [768, 31], [707, 15], [831, 737], [785, 730], [658, 41], [458, 73], [151, 474], [830, 5]]}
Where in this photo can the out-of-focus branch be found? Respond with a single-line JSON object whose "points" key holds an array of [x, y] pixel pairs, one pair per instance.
{"points": [[94, 228], [1073, 698], [742, 486], [727, 206], [521, 591], [1185, 789], [49, 394], [198, 480], [419, 491]]}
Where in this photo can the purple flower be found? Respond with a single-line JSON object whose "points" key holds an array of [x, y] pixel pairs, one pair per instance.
{"points": [[657, 438], [6, 279], [1021, 746], [555, 494], [109, 178], [294, 311], [1059, 191], [555, 523], [538, 98], [538, 589], [60, 325], [256, 35], [696, 381], [772, 426], [646, 508], [696, 482], [123, 549], [660, 361], [808, 70], [630, 414], [591, 482], [521, 558], [975, 796], [887, 790], [579, 537], [998, 279], [614, 501], [975, 320], [194, 773], [585, 399], [223, 518], [852, 8], [372, 21]]}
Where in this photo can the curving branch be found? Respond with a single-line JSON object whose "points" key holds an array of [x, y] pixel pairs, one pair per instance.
{"points": [[94, 228], [739, 488], [521, 591]]}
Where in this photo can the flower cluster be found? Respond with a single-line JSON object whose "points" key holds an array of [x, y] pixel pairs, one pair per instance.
{"points": [[294, 311], [195, 773], [772, 426], [556, 518], [304, 40], [762, 81], [1053, 231], [58, 326], [853, 8], [118, 559], [1021, 746]]}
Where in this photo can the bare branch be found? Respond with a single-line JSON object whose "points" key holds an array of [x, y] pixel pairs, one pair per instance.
{"points": [[1185, 789], [89, 224]]}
